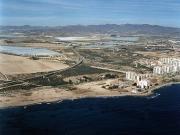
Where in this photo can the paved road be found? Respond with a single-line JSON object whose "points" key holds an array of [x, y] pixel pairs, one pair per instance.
{"points": [[46, 74], [109, 69], [3, 77]]}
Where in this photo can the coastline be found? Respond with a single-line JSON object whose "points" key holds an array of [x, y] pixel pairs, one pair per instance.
{"points": [[54, 95], [163, 85]]}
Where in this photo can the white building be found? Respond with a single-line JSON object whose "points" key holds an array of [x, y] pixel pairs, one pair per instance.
{"points": [[132, 76], [168, 65], [143, 84], [165, 60], [170, 61], [165, 69], [157, 70]]}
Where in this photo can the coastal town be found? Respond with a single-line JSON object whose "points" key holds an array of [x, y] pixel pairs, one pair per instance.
{"points": [[89, 67], [48, 67]]}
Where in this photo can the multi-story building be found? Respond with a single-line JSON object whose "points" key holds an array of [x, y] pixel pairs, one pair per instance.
{"points": [[136, 77], [157, 70], [170, 61], [131, 76], [143, 84], [168, 65]]}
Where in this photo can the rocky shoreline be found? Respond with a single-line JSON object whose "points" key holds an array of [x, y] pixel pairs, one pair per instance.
{"points": [[54, 95]]}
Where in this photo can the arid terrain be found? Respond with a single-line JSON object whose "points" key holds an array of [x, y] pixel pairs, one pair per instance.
{"points": [[89, 65], [10, 64]]}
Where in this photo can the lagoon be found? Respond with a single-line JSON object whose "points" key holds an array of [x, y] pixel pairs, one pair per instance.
{"points": [[27, 51]]}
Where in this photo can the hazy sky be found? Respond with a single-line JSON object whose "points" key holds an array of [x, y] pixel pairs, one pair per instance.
{"points": [[70, 12]]}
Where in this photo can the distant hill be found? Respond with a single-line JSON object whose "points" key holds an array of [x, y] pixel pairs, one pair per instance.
{"points": [[124, 29]]}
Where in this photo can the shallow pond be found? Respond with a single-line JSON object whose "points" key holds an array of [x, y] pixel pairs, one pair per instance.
{"points": [[27, 51]]}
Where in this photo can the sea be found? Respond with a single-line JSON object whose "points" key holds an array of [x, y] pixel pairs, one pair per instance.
{"points": [[157, 114]]}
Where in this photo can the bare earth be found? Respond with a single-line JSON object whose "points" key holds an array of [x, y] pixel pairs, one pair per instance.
{"points": [[49, 94], [10, 64]]}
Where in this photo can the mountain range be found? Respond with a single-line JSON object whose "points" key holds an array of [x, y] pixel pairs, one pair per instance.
{"points": [[123, 29]]}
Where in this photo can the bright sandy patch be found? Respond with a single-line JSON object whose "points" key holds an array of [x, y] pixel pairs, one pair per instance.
{"points": [[10, 64]]}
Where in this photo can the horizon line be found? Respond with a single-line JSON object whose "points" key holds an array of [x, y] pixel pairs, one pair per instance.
{"points": [[89, 25]]}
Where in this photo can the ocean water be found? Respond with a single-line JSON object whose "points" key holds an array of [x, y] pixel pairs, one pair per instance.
{"points": [[152, 115]]}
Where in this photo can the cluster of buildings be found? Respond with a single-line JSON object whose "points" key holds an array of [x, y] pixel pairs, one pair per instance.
{"points": [[140, 79], [143, 84], [160, 67], [132, 76], [166, 66]]}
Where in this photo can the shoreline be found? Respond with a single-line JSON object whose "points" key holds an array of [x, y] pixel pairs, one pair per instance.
{"points": [[63, 95], [163, 85]]}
